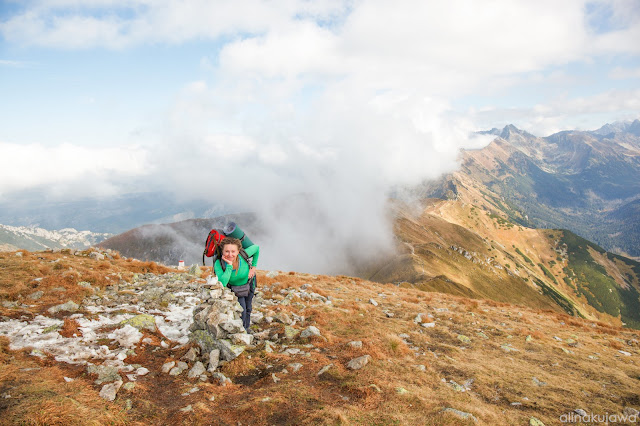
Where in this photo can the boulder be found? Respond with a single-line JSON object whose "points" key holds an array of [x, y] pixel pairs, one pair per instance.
{"points": [[358, 363]]}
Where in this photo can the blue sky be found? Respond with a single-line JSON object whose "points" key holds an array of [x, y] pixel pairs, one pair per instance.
{"points": [[135, 95]]}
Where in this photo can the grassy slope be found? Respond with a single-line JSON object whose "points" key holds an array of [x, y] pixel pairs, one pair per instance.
{"points": [[584, 369]]}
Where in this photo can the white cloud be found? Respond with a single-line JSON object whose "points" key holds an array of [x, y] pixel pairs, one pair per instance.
{"points": [[620, 73], [68, 170]]}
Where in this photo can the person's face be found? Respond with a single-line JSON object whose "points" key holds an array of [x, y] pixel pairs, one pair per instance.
{"points": [[230, 251]]}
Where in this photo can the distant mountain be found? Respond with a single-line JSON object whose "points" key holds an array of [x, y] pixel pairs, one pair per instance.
{"points": [[587, 182], [172, 242], [33, 238]]}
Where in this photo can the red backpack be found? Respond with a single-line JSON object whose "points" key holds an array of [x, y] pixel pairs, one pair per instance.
{"points": [[212, 245]]}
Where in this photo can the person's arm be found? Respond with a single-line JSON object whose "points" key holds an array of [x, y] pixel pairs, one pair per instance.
{"points": [[253, 251], [223, 276]]}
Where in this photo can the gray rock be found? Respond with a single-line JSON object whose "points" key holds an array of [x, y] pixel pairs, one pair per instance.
{"points": [[142, 371], [195, 270], [358, 363], [167, 366], [233, 326], [110, 390], [373, 302], [309, 332], [178, 369], [283, 318], [105, 373], [324, 369], [460, 414], [535, 422], [538, 382], [70, 306], [191, 355], [228, 351], [214, 360], [272, 274], [580, 412], [356, 344], [295, 367], [196, 371], [631, 412], [36, 295], [220, 378], [97, 256], [242, 339]]}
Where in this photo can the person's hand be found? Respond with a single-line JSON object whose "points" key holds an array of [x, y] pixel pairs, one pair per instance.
{"points": [[252, 272], [228, 260]]}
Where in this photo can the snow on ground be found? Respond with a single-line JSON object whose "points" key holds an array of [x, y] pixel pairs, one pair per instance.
{"points": [[41, 333]]}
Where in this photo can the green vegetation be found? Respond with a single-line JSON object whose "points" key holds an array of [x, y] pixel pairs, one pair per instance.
{"points": [[524, 256], [600, 289], [562, 301], [548, 273]]}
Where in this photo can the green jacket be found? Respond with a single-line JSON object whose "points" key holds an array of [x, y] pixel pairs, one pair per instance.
{"points": [[233, 277]]}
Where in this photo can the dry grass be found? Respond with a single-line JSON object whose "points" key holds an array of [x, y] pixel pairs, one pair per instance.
{"points": [[590, 374]]}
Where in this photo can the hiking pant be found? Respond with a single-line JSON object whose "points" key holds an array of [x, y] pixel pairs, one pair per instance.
{"points": [[245, 302]]}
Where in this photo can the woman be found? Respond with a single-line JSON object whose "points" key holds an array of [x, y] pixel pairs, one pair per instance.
{"points": [[235, 272]]}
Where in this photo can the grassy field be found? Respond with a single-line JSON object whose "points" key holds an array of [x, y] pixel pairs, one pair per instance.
{"points": [[496, 362]]}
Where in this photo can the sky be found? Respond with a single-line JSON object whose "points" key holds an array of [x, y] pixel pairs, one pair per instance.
{"points": [[248, 102]]}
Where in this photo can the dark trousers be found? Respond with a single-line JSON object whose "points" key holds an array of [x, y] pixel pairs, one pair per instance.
{"points": [[245, 302]]}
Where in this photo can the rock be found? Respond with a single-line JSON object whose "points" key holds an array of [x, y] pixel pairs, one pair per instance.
{"points": [[460, 414], [36, 295], [356, 344], [464, 339], [295, 367], [233, 326], [187, 409], [110, 390], [195, 270], [625, 353], [324, 369], [580, 412], [283, 318], [358, 363], [508, 348], [421, 367], [309, 332], [630, 412], [178, 369], [70, 306], [142, 371], [528, 338], [97, 256], [428, 324], [204, 339], [129, 386], [105, 373], [220, 378], [401, 391], [141, 322], [535, 422], [167, 366], [272, 274], [456, 387], [214, 360], [191, 355], [290, 333], [538, 382], [256, 317], [84, 284], [196, 371], [242, 339], [373, 302], [269, 347], [482, 335], [274, 378], [228, 351]]}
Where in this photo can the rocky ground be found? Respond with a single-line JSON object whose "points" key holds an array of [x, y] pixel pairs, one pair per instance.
{"points": [[168, 347]]}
